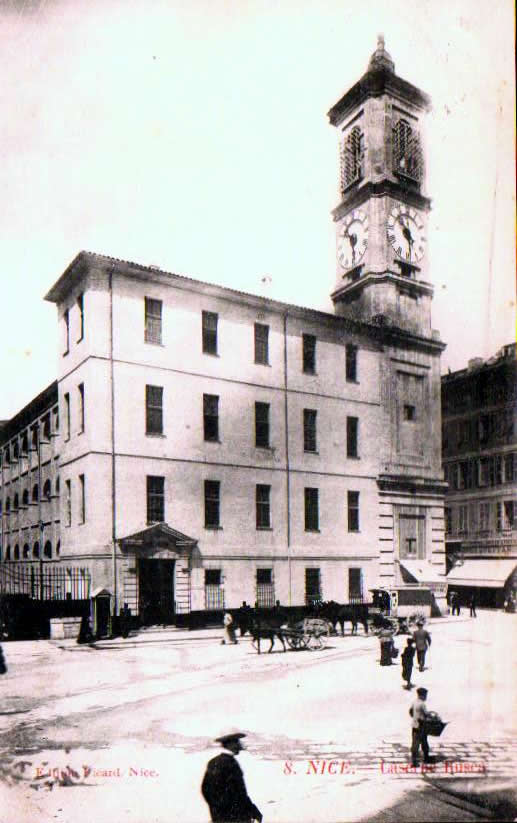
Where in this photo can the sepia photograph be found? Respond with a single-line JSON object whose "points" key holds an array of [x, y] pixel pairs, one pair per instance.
{"points": [[258, 411]]}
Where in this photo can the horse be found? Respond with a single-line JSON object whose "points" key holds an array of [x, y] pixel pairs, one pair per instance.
{"points": [[268, 629], [335, 613]]}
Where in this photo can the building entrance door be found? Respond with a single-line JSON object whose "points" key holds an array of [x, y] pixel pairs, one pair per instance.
{"points": [[156, 591]]}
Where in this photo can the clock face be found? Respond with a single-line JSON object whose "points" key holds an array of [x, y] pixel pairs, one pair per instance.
{"points": [[406, 233], [352, 239]]}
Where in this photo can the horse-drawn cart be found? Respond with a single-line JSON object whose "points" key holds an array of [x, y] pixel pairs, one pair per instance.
{"points": [[309, 633]]}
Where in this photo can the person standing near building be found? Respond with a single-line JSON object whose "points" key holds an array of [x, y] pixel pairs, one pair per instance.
{"points": [[407, 662], [455, 602], [472, 605], [223, 785], [422, 640], [229, 631], [418, 712]]}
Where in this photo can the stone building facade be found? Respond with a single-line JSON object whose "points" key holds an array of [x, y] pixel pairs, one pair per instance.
{"points": [[216, 446], [479, 418]]}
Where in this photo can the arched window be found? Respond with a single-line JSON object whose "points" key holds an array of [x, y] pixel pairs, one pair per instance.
{"points": [[408, 159], [17, 552], [25, 497], [8, 553], [46, 489], [58, 548], [47, 549], [25, 443], [352, 158], [26, 551], [35, 549], [8, 504], [16, 450], [16, 502], [35, 493]]}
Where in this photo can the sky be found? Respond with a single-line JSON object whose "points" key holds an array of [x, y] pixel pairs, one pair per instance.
{"points": [[192, 135]]}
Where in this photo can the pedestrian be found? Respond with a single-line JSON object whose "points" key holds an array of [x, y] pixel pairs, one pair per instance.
{"points": [[422, 640], [407, 658], [223, 785], [3, 664], [125, 620], [473, 605], [418, 712], [455, 600], [229, 631]]}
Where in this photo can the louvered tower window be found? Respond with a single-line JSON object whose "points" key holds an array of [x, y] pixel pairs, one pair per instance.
{"points": [[407, 152], [352, 157]]}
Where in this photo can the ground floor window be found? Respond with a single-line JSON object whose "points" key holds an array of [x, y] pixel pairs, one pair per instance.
{"points": [[214, 592], [265, 589], [355, 584], [312, 586]]}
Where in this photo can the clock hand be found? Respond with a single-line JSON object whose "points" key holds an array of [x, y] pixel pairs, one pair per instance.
{"points": [[352, 239]]}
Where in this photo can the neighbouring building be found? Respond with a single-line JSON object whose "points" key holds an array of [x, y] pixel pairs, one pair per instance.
{"points": [[479, 419], [216, 446]]}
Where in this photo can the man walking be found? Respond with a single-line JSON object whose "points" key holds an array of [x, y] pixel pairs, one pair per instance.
{"points": [[223, 785], [422, 640], [418, 712], [455, 601], [407, 662]]}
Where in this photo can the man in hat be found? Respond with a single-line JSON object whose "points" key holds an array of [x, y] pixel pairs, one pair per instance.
{"points": [[407, 662], [223, 785], [418, 713], [422, 640]]}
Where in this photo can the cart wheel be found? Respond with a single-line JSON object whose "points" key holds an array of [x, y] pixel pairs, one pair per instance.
{"points": [[315, 641], [294, 641], [304, 641]]}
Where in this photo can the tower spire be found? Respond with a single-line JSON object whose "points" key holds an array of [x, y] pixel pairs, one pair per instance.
{"points": [[380, 59]]}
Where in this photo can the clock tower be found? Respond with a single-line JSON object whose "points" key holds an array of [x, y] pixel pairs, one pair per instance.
{"points": [[381, 220]]}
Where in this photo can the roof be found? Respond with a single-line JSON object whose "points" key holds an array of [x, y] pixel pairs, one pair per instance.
{"points": [[39, 404], [158, 533], [491, 573], [422, 571]]}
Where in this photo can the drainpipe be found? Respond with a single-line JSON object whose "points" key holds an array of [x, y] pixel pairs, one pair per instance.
{"points": [[113, 473], [40, 520], [287, 478]]}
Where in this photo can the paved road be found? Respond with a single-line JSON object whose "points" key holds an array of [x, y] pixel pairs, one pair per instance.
{"points": [[328, 730]]}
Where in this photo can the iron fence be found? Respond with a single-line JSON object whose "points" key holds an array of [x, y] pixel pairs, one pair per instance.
{"points": [[214, 597], [265, 595], [45, 581]]}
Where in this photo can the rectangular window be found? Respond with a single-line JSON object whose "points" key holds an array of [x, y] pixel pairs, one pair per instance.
{"points": [[263, 507], [66, 321], [499, 516], [212, 577], [56, 420], [80, 308], [68, 503], [80, 394], [355, 585], [508, 468], [309, 353], [309, 430], [155, 499], [448, 520], [312, 586], [311, 510], [212, 504], [153, 321], [211, 417], [82, 499], [351, 363], [67, 416], [45, 431], [409, 412], [353, 511], [484, 517], [154, 410], [261, 344], [262, 425], [209, 332], [352, 432], [214, 593], [509, 509], [265, 589]]}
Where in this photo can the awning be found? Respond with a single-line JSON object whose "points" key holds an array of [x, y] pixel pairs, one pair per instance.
{"points": [[420, 571], [483, 573]]}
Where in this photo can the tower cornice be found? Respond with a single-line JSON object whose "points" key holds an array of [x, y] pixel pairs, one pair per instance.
{"points": [[374, 83], [356, 197]]}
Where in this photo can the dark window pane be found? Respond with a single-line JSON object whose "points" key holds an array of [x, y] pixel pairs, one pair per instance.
{"points": [[155, 499], [212, 577], [309, 353], [154, 410], [212, 503], [351, 363], [311, 510], [261, 344], [264, 576], [153, 321], [312, 585], [209, 332], [262, 425], [353, 511], [352, 427], [211, 416], [309, 430], [263, 513]]}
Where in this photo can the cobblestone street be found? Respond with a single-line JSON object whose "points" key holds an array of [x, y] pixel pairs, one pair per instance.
{"points": [[328, 731]]}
